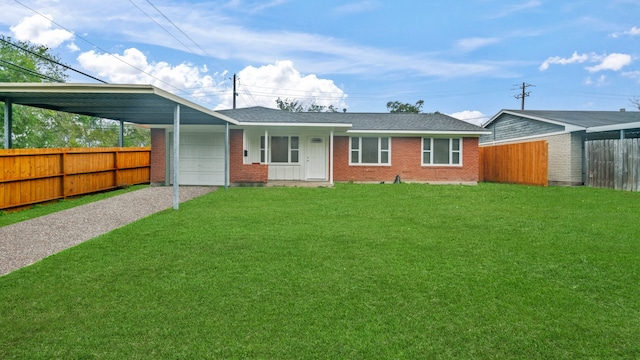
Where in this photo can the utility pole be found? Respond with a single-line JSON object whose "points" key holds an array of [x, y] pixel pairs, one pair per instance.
{"points": [[235, 94], [524, 93]]}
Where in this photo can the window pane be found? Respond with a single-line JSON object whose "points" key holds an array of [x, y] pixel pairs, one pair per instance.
{"points": [[384, 157], [441, 151], [456, 158], [354, 157], [279, 149], [426, 158], [294, 142], [384, 143], [370, 150], [426, 144], [262, 149], [354, 143], [455, 144], [294, 156]]}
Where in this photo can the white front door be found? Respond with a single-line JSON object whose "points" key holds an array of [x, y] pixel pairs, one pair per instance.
{"points": [[316, 161]]}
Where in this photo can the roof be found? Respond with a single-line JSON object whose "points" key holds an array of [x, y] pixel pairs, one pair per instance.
{"points": [[140, 104], [356, 122], [591, 121]]}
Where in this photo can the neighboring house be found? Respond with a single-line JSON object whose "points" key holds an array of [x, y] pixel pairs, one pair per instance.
{"points": [[274, 145], [565, 133]]}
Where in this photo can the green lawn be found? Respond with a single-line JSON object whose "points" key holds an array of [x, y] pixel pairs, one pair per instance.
{"points": [[356, 271]]}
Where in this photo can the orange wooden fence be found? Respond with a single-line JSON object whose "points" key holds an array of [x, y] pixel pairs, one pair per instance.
{"points": [[30, 176], [522, 163]]}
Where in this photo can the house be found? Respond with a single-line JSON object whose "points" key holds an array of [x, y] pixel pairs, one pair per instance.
{"points": [[268, 145], [259, 145], [565, 133]]}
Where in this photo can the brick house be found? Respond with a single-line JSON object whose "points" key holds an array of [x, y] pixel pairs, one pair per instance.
{"points": [[272, 145], [565, 133]]}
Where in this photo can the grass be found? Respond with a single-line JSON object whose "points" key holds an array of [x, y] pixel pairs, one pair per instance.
{"points": [[12, 217], [357, 271]]}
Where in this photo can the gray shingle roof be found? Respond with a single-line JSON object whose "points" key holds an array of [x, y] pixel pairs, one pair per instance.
{"points": [[360, 121], [585, 119]]}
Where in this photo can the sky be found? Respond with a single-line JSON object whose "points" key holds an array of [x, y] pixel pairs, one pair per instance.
{"points": [[468, 59]]}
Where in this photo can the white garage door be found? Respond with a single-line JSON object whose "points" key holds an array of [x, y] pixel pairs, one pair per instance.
{"points": [[201, 158]]}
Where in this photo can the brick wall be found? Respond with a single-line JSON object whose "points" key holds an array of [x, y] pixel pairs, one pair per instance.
{"points": [[406, 159], [158, 153], [240, 172], [565, 159]]}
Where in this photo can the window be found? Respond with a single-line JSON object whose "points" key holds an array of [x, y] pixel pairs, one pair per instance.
{"points": [[440, 151], [283, 149], [370, 150]]}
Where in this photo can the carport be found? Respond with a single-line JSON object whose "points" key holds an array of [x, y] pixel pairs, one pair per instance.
{"points": [[138, 104]]}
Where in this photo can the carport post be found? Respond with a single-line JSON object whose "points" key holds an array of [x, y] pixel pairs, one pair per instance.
{"points": [[121, 137], [8, 119], [176, 157], [226, 156]]}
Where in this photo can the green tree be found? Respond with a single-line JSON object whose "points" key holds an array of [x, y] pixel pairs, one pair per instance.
{"points": [[295, 106], [398, 107], [41, 128]]}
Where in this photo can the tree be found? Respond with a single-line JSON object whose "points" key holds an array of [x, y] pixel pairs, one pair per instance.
{"points": [[295, 106], [398, 107], [41, 128], [635, 102]]}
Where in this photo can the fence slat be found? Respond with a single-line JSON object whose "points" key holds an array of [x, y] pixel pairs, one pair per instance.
{"points": [[613, 164], [522, 163], [30, 176]]}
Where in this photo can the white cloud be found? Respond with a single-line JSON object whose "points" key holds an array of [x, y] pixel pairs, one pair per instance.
{"points": [[575, 58], [474, 117], [632, 74], [508, 10], [356, 7], [261, 86], [37, 29], [613, 62], [474, 43], [634, 31], [132, 67]]}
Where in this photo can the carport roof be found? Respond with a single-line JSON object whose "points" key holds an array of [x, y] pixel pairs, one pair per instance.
{"points": [[140, 104]]}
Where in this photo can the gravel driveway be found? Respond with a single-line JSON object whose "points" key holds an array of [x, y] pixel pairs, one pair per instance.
{"points": [[26, 242]]}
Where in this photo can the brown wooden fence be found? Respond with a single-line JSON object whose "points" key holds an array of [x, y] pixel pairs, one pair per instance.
{"points": [[522, 163], [613, 164], [30, 176]]}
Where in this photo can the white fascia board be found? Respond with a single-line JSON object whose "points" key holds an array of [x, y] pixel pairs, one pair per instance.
{"points": [[631, 125], [184, 102], [418, 132], [567, 127], [524, 138], [267, 124]]}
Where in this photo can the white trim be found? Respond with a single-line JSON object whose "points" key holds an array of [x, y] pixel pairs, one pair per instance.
{"points": [[418, 132], [277, 124], [431, 164], [176, 157], [568, 127], [624, 126], [360, 163], [524, 138], [331, 158]]}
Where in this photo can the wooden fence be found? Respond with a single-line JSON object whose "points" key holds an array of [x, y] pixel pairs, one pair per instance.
{"points": [[522, 163], [30, 176], [613, 164]]}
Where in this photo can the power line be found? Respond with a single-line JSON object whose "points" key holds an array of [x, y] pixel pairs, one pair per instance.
{"points": [[177, 27], [162, 27], [29, 71], [99, 48], [52, 61]]}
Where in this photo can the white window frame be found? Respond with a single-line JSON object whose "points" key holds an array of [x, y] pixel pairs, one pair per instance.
{"points": [[290, 150], [358, 150], [431, 151]]}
